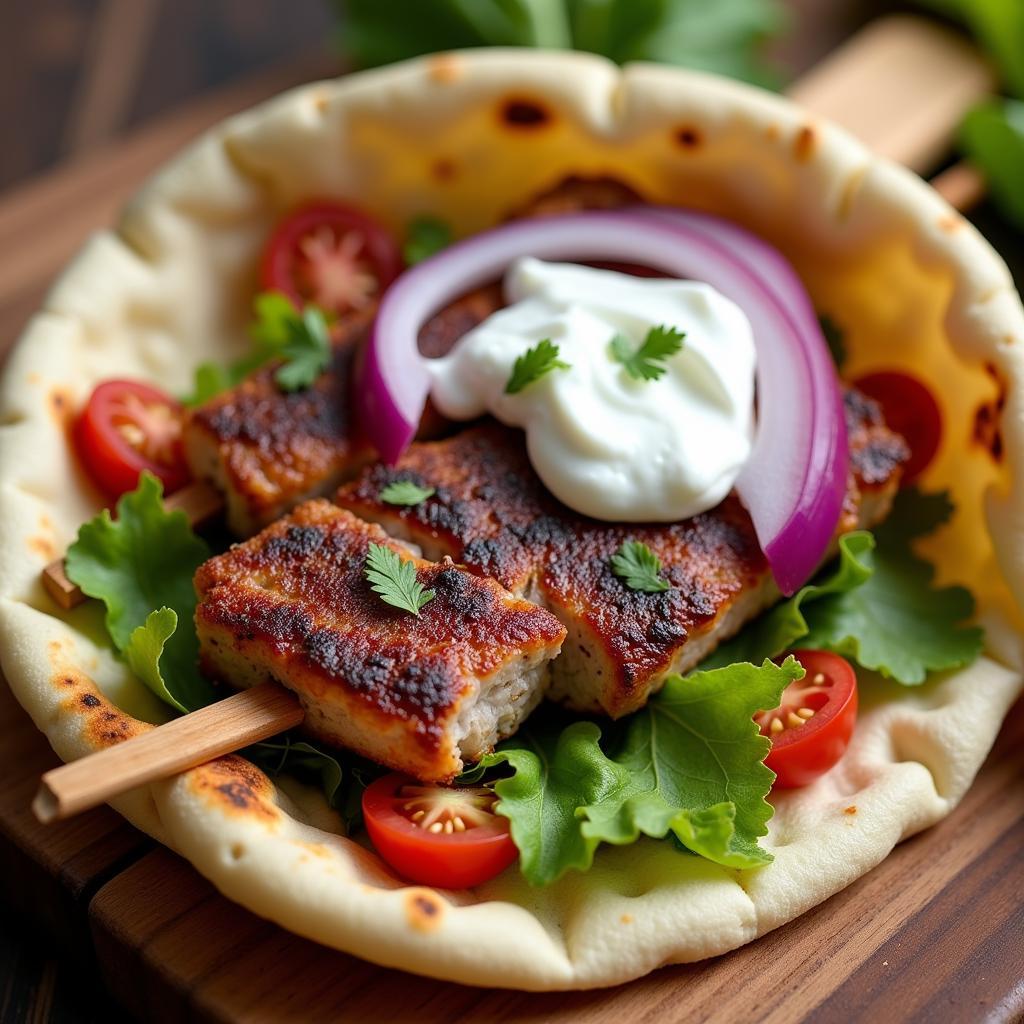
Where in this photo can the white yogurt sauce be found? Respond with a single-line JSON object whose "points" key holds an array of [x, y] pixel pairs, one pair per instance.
{"points": [[605, 444]]}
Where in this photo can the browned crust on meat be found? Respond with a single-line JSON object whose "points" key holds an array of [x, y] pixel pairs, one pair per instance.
{"points": [[269, 449], [491, 513], [293, 603]]}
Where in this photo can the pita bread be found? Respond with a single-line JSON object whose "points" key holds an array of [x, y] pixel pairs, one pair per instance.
{"points": [[470, 137]]}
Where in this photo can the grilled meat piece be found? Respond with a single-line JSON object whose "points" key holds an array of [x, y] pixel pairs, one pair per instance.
{"points": [[267, 449], [418, 694], [491, 513]]}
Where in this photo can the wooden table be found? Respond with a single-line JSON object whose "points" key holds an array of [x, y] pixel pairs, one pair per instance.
{"points": [[933, 934]]}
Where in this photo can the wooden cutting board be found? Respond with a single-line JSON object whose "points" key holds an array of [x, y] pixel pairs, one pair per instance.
{"points": [[933, 934]]}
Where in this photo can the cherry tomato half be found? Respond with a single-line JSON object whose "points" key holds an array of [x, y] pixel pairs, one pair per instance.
{"points": [[331, 255], [126, 427], [435, 835], [811, 728], [911, 410]]}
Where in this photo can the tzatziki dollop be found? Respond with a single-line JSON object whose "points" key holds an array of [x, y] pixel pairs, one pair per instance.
{"points": [[604, 443]]}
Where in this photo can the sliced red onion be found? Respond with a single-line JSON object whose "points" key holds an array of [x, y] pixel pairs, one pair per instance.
{"points": [[794, 481], [787, 529]]}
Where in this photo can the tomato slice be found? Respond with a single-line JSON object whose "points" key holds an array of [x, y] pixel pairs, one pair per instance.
{"points": [[435, 835], [126, 427], [911, 410], [811, 729], [332, 255]]}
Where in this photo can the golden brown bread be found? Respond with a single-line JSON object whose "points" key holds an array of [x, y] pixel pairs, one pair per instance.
{"points": [[418, 694]]}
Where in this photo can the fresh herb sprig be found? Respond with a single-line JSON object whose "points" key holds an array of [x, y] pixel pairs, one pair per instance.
{"points": [[646, 362], [639, 568], [533, 364], [425, 237], [394, 579], [301, 339], [405, 492], [280, 331]]}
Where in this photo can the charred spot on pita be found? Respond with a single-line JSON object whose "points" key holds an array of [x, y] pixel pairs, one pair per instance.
{"points": [[444, 169], [986, 432], [805, 143], [519, 112], [689, 137]]}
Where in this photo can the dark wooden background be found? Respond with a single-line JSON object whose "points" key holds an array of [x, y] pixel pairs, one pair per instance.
{"points": [[78, 74]]}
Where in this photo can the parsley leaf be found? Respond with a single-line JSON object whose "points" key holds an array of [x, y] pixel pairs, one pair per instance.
{"points": [[145, 560], [533, 364], [639, 567], [305, 349], [689, 764], [426, 236], [210, 380], [301, 340], [405, 492], [394, 579], [643, 363], [897, 622]]}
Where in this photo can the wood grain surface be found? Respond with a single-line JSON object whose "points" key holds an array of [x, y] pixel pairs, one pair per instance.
{"points": [[932, 934]]}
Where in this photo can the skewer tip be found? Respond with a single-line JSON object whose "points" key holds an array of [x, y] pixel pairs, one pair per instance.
{"points": [[45, 806]]}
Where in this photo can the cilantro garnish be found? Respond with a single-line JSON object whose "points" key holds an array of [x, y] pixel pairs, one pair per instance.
{"points": [[405, 492], [426, 236], [533, 364], [395, 580], [639, 567], [644, 363], [301, 340]]}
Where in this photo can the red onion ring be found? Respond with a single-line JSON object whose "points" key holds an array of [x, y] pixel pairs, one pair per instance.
{"points": [[794, 482]]}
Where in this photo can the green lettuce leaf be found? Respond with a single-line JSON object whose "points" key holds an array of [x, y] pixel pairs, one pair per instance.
{"points": [[898, 623], [287, 754], [786, 623], [689, 764], [145, 560]]}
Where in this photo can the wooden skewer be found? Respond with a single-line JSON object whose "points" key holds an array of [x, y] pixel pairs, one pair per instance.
{"points": [[962, 186], [902, 85], [898, 72], [237, 721], [200, 501]]}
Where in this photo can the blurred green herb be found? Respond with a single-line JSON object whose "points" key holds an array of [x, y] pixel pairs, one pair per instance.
{"points": [[993, 138], [835, 338], [999, 28], [425, 237], [992, 135], [299, 338], [724, 36]]}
